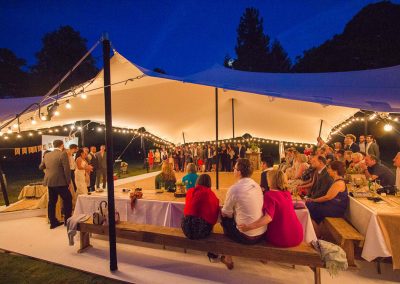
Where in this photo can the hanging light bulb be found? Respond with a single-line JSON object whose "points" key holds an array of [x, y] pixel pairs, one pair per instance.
{"points": [[1, 133], [99, 129], [33, 121], [57, 113], [65, 129], [43, 117], [79, 127], [396, 119], [72, 127], [19, 136], [68, 105], [30, 134], [15, 125], [6, 137], [40, 132], [84, 96], [388, 127], [9, 131]]}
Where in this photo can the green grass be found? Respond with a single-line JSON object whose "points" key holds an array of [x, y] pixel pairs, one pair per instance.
{"points": [[18, 178], [22, 269]]}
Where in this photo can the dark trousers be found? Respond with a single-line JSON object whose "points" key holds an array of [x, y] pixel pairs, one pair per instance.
{"points": [[66, 197], [234, 234], [101, 174], [73, 179], [92, 181]]}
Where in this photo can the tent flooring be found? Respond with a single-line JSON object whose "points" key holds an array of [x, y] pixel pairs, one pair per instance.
{"points": [[152, 264]]}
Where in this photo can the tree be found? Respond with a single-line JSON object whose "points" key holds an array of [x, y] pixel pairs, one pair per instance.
{"points": [[370, 40], [252, 45], [13, 79], [61, 50], [278, 58]]}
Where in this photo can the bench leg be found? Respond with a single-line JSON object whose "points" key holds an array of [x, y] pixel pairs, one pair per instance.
{"points": [[378, 265], [84, 238], [317, 274], [348, 247]]}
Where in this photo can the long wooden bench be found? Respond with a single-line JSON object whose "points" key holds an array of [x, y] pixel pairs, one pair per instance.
{"points": [[303, 254], [345, 236]]}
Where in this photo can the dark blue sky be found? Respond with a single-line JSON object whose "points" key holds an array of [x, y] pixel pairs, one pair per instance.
{"points": [[182, 37]]}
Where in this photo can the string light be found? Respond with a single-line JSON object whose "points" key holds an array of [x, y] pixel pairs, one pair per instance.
{"points": [[9, 131], [19, 136], [388, 127], [15, 125], [84, 96], [68, 105], [33, 121]]}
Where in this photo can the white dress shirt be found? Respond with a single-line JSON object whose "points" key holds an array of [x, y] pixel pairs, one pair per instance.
{"points": [[245, 200]]}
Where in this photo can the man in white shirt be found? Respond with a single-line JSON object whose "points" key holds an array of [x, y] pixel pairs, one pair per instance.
{"points": [[396, 163], [243, 205]]}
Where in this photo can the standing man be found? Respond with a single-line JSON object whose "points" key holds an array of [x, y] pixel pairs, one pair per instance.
{"points": [[323, 181], [101, 172], [73, 148], [241, 151], [362, 144], [57, 178], [350, 144], [372, 148], [95, 164], [267, 164]]}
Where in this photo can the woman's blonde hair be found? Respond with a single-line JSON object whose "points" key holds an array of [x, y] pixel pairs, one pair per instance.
{"points": [[302, 158], [167, 171], [191, 168], [276, 179]]}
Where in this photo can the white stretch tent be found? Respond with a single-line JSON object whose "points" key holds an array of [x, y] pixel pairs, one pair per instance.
{"points": [[285, 107]]}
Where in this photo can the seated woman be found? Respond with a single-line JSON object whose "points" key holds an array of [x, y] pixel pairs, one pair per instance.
{"points": [[201, 209], [284, 228], [336, 200], [166, 177], [191, 177], [356, 164]]}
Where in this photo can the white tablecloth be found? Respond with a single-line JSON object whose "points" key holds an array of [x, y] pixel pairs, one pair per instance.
{"points": [[36, 191], [162, 213], [365, 221]]}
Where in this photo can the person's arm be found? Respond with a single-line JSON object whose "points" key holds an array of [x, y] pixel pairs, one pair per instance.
{"points": [[331, 194], [66, 167], [227, 209], [263, 221], [42, 165], [79, 164]]}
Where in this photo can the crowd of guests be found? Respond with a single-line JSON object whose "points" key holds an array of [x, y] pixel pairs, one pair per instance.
{"points": [[205, 157], [81, 169], [253, 212]]}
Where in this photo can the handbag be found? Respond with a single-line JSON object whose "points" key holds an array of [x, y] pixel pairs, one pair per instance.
{"points": [[99, 217], [388, 189]]}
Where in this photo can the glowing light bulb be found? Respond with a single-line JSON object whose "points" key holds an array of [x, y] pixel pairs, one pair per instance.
{"points": [[9, 131], [388, 127], [57, 113], [84, 96], [15, 125], [33, 121], [68, 105]]}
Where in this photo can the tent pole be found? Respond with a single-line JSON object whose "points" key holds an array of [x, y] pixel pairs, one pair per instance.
{"points": [[3, 187], [320, 128], [110, 154], [183, 135], [216, 138], [83, 135], [365, 124], [233, 118]]}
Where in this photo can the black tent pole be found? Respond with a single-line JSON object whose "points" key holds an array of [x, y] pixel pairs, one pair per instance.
{"points": [[320, 128], [233, 118], [4, 187], [216, 137], [110, 154]]}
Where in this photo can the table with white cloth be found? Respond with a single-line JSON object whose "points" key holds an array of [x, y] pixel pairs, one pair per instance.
{"points": [[161, 210], [32, 191], [366, 216]]}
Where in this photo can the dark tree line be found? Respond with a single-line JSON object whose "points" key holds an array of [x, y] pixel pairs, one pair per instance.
{"points": [[371, 39], [60, 51]]}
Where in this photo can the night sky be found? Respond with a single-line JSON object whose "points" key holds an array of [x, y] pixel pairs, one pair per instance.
{"points": [[181, 37]]}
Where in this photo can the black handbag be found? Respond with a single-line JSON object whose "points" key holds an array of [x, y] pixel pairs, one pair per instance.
{"points": [[388, 189]]}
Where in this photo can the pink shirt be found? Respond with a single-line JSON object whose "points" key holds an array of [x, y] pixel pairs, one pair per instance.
{"points": [[285, 229]]}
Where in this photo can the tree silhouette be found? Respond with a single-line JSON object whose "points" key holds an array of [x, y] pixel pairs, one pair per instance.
{"points": [[13, 80], [252, 45], [159, 70], [61, 50], [370, 40], [278, 58]]}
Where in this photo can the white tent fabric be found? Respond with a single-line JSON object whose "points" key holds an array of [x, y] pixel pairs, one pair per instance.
{"points": [[284, 107]]}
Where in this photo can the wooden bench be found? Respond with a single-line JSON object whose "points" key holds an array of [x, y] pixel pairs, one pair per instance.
{"points": [[345, 236], [303, 254]]}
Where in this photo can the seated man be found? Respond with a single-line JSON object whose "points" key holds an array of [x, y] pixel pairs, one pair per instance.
{"points": [[374, 170], [243, 205], [322, 180], [267, 164]]}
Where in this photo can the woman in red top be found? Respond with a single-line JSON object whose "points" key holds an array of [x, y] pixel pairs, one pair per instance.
{"points": [[201, 209], [284, 228], [151, 159]]}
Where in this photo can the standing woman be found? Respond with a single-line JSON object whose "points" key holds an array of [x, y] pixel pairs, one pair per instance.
{"points": [[82, 172], [151, 159], [157, 157]]}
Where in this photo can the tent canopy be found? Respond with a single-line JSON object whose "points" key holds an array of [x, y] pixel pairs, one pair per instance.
{"points": [[285, 107]]}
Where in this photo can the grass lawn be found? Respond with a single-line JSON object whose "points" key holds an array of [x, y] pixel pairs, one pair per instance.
{"points": [[18, 178], [21, 269]]}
